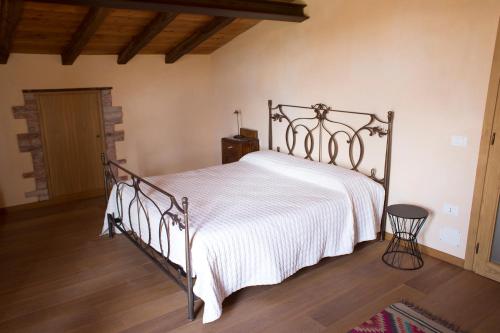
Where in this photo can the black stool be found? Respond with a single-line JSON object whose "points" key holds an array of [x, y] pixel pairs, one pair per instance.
{"points": [[403, 251]]}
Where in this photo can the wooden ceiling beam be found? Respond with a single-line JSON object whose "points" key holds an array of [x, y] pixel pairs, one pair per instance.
{"points": [[10, 15], [156, 26], [254, 9], [95, 16], [197, 38]]}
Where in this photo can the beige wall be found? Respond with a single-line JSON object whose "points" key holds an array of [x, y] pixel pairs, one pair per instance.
{"points": [[428, 60], [166, 129]]}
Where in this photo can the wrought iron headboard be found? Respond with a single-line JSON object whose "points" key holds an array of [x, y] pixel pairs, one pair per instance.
{"points": [[315, 122]]}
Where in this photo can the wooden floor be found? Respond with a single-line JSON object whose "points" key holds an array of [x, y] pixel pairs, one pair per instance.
{"points": [[58, 275]]}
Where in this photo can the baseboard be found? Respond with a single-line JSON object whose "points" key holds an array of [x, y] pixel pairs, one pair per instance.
{"points": [[437, 254], [52, 202]]}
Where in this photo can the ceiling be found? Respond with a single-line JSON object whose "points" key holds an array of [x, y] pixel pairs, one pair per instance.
{"points": [[129, 27]]}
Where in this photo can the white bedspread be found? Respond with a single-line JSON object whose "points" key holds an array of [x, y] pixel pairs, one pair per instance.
{"points": [[259, 220]]}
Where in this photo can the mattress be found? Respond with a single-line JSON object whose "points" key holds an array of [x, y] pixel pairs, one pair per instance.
{"points": [[259, 220]]}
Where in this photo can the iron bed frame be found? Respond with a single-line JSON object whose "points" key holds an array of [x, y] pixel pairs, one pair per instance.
{"points": [[176, 215]]}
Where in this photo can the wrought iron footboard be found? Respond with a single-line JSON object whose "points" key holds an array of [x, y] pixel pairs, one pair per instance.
{"points": [[143, 209]]}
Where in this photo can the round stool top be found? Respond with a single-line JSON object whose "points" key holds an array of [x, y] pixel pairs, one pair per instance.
{"points": [[407, 211]]}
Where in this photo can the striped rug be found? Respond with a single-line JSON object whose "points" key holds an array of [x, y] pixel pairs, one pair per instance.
{"points": [[405, 318]]}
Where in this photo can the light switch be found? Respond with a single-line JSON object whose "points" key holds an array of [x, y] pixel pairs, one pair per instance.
{"points": [[459, 141], [450, 209]]}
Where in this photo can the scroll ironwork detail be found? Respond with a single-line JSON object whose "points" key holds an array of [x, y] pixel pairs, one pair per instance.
{"points": [[317, 121]]}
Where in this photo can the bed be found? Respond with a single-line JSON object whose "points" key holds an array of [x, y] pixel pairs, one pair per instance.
{"points": [[256, 221]]}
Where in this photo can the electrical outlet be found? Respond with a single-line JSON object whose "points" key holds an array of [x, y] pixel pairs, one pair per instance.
{"points": [[450, 209], [459, 141], [450, 236]]}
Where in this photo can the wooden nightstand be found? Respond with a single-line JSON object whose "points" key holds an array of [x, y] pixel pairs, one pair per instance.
{"points": [[233, 149]]}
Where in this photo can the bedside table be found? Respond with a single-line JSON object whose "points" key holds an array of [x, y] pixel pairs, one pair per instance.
{"points": [[233, 149], [403, 251]]}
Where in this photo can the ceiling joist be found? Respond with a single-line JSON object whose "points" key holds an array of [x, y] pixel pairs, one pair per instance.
{"points": [[94, 18], [156, 26], [260, 10], [127, 27], [197, 38], [10, 15]]}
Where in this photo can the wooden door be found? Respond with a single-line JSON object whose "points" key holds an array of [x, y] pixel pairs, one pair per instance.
{"points": [[72, 142], [487, 260]]}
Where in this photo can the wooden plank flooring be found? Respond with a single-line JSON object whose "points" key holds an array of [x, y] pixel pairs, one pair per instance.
{"points": [[58, 275]]}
